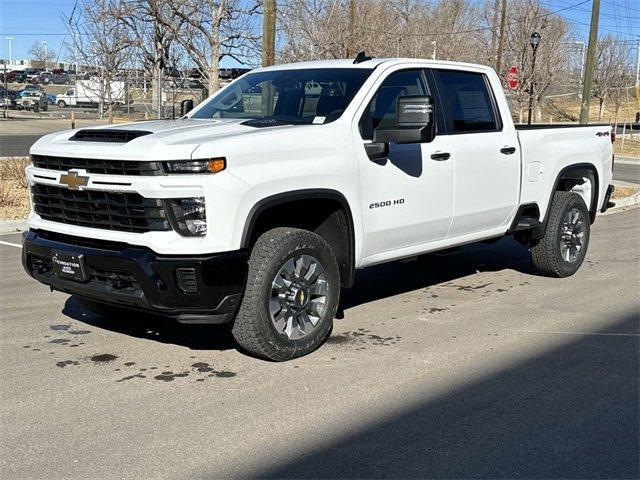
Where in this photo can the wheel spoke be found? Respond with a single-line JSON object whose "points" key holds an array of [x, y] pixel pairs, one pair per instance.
{"points": [[280, 321], [275, 306], [299, 293], [320, 287]]}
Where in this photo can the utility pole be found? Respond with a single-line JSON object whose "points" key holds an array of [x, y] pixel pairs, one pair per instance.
{"points": [[435, 46], [351, 48], [268, 53], [638, 83], [503, 21], [269, 33], [534, 41], [591, 60]]}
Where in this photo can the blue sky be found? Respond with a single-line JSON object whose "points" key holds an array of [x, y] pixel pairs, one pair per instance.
{"points": [[30, 21]]}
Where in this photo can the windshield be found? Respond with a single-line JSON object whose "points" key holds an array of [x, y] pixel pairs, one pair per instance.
{"points": [[304, 96]]}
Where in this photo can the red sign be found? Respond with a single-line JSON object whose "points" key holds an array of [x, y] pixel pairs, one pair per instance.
{"points": [[512, 78]]}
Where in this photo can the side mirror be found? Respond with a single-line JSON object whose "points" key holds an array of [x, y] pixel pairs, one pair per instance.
{"points": [[415, 122], [185, 107]]}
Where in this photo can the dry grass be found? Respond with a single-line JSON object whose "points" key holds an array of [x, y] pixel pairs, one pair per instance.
{"points": [[622, 192], [631, 147], [14, 195]]}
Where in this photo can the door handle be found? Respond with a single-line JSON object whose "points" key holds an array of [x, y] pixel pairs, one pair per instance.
{"points": [[508, 150], [440, 156]]}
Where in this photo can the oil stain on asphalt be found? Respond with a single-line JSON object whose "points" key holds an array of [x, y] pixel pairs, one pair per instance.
{"points": [[201, 370]]}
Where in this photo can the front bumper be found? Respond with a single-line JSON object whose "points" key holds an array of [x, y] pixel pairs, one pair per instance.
{"points": [[137, 278]]}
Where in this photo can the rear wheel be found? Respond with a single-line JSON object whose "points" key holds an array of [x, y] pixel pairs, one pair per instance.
{"points": [[291, 296], [562, 249]]}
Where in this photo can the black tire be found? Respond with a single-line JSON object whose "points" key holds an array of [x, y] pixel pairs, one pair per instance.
{"points": [[253, 327], [547, 254], [62, 104]]}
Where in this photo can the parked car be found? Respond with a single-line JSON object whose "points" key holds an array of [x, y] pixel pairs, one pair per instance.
{"points": [[31, 73], [8, 98], [33, 100], [41, 79], [29, 88], [59, 78], [12, 76], [256, 212]]}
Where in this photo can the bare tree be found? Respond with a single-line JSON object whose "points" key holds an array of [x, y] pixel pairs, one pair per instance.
{"points": [[100, 39], [151, 24], [40, 56], [526, 17], [613, 74], [210, 30]]}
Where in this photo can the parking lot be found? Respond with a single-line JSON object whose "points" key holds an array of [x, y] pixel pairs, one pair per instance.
{"points": [[464, 365]]}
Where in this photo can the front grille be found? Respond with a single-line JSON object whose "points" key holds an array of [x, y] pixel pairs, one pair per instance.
{"points": [[109, 167], [127, 212]]}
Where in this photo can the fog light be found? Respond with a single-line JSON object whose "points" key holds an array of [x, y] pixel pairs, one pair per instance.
{"points": [[188, 216]]}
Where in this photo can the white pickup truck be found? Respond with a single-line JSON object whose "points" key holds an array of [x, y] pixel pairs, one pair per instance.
{"points": [[257, 207]]}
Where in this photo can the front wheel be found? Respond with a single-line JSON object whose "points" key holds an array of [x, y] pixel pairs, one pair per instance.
{"points": [[563, 247], [291, 297], [61, 104]]}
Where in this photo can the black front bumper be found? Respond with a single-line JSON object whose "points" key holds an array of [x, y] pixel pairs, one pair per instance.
{"points": [[136, 277]]}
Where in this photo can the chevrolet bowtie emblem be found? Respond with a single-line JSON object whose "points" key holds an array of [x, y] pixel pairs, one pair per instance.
{"points": [[73, 181]]}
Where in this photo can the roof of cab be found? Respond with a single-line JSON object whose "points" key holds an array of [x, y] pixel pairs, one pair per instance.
{"points": [[370, 64]]}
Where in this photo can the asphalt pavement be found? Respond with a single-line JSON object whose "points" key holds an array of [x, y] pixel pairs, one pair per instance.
{"points": [[452, 366], [627, 172]]}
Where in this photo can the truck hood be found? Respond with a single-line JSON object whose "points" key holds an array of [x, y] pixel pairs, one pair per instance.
{"points": [[163, 139]]}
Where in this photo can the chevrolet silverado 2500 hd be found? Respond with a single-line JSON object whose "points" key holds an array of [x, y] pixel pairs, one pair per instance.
{"points": [[257, 207]]}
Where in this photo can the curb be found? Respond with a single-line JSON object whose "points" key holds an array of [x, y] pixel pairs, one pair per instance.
{"points": [[13, 226]]}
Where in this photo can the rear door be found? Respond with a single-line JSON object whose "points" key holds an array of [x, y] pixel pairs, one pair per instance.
{"points": [[487, 157]]}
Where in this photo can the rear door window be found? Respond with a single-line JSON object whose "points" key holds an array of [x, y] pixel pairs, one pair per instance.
{"points": [[467, 102]]}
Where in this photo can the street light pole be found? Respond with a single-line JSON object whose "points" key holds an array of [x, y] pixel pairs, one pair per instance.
{"points": [[582, 47], [46, 53], [11, 39], [534, 41]]}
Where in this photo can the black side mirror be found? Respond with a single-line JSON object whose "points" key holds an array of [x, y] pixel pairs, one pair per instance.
{"points": [[185, 107], [415, 122]]}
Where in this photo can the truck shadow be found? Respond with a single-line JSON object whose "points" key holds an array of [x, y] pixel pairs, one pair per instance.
{"points": [[567, 412], [395, 278], [154, 327], [372, 284]]}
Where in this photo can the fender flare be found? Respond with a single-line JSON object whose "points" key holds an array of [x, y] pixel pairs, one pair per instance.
{"points": [[595, 191], [304, 194]]}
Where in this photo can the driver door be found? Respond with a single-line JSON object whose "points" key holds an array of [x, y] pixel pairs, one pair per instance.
{"points": [[407, 198]]}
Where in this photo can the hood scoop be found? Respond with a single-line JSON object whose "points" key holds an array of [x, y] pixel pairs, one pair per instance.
{"points": [[108, 135]]}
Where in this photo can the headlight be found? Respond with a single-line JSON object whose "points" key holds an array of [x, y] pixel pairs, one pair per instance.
{"points": [[211, 165], [188, 216]]}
